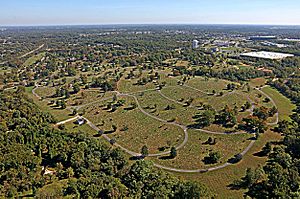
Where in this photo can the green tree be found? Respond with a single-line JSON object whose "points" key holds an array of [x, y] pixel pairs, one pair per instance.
{"points": [[144, 151], [173, 152]]}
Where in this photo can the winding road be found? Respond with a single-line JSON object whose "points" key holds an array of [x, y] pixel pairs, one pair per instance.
{"points": [[183, 127]]}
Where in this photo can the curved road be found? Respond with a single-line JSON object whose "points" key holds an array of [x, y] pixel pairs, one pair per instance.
{"points": [[184, 128]]}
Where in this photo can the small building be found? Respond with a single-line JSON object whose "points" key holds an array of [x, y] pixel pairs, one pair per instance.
{"points": [[80, 121], [195, 44]]}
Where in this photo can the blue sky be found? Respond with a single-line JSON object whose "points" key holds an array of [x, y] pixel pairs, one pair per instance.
{"points": [[58, 12]]}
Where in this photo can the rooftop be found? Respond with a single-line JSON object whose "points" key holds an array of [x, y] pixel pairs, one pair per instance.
{"points": [[267, 55]]}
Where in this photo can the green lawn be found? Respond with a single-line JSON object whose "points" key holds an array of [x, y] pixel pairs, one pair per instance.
{"points": [[191, 156], [134, 129], [285, 106], [31, 60]]}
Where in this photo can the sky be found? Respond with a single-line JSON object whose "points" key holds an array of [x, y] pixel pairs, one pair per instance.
{"points": [[84, 12]]}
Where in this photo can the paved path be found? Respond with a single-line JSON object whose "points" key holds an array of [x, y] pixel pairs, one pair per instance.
{"points": [[28, 53], [34, 93], [41, 46], [68, 120], [184, 128]]}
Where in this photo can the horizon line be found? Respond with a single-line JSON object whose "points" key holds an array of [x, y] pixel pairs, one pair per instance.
{"points": [[130, 24]]}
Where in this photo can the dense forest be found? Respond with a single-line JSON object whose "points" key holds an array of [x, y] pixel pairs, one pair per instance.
{"points": [[81, 166]]}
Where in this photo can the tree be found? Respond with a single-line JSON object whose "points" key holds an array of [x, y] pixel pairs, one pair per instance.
{"points": [[227, 117], [267, 148], [144, 151], [273, 111], [252, 177], [247, 105], [261, 113], [70, 172], [76, 88], [212, 158], [74, 112], [206, 118], [173, 152], [254, 124], [63, 104]]}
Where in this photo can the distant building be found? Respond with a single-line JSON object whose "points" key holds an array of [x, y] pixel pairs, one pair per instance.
{"points": [[215, 50], [195, 44], [262, 38], [221, 43], [267, 55]]}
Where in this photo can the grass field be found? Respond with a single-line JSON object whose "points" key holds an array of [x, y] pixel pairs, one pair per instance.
{"points": [[258, 82], [155, 104], [191, 156], [87, 96], [208, 85], [135, 129], [285, 106], [58, 114], [218, 181], [31, 60]]}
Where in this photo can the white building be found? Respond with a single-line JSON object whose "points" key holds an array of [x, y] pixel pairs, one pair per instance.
{"points": [[267, 55], [195, 44]]}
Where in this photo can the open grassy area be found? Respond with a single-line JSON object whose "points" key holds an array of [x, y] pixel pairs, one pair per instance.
{"points": [[31, 60], [128, 86], [218, 181], [208, 85], [58, 114], [134, 129], [157, 105], [285, 106], [258, 82], [192, 155], [45, 92], [181, 63], [87, 96]]}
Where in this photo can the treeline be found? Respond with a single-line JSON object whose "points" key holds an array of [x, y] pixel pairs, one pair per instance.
{"points": [[44, 162], [280, 177]]}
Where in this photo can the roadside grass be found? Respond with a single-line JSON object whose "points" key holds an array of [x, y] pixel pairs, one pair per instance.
{"points": [[208, 85], [127, 86], [31, 60], [45, 92], [75, 128], [191, 156], [134, 129], [258, 82], [284, 105]]}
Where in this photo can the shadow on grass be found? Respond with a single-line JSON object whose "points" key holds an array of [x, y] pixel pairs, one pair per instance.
{"points": [[169, 157], [136, 158]]}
